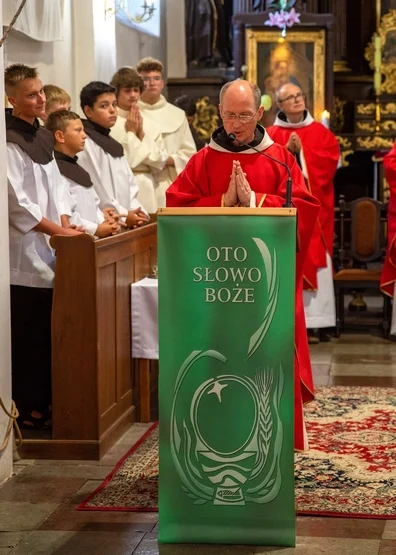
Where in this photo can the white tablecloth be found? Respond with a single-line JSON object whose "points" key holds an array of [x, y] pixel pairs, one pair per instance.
{"points": [[144, 299]]}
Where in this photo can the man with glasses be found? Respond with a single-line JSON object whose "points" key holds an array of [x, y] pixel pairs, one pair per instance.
{"points": [[317, 152], [228, 173], [171, 121]]}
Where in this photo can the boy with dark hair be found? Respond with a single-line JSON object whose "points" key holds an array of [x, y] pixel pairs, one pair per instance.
{"points": [[143, 145], [37, 205], [176, 134], [103, 156], [68, 131]]}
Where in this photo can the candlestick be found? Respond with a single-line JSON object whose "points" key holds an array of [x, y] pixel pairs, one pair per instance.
{"points": [[377, 52], [377, 82], [325, 119]]}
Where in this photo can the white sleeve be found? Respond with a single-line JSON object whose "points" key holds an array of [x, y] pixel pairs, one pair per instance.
{"points": [[133, 191], [89, 226], [187, 147], [149, 152], [64, 201], [24, 214], [88, 159]]}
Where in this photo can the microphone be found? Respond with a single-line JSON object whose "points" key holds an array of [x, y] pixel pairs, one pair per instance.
{"points": [[288, 201]]}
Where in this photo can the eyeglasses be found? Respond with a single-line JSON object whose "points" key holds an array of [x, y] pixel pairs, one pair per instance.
{"points": [[291, 97], [155, 79], [243, 118]]}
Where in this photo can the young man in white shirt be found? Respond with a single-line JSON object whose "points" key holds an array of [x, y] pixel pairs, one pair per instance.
{"points": [[37, 206], [172, 122], [142, 141], [103, 157]]}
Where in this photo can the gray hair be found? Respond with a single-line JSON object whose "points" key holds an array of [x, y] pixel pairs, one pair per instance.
{"points": [[253, 87]]}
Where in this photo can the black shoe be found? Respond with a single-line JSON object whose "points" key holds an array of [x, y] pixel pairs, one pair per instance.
{"points": [[325, 336], [313, 336]]}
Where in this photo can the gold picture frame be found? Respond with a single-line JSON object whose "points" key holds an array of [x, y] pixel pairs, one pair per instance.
{"points": [[299, 58]]}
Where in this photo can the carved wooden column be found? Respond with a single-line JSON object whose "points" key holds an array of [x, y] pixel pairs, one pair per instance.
{"points": [[338, 8], [310, 6], [238, 48], [360, 26], [242, 6]]}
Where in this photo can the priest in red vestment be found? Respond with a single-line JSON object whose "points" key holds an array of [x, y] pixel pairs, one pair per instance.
{"points": [[388, 275], [226, 173], [318, 154]]}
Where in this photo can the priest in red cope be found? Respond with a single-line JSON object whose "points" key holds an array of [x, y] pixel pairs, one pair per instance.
{"points": [[318, 154], [388, 275], [227, 173]]}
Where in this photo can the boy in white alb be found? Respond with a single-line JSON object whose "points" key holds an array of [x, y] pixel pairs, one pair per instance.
{"points": [[103, 157], [172, 121], [68, 131], [37, 206], [142, 141]]}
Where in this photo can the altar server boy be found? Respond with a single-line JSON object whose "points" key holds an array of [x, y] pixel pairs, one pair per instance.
{"points": [[103, 157], [36, 207], [68, 131], [56, 99]]}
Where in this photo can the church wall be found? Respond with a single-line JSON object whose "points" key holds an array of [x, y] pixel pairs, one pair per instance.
{"points": [[5, 366], [53, 59], [132, 45]]}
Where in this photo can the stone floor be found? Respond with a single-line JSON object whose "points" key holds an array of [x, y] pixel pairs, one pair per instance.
{"points": [[37, 515]]}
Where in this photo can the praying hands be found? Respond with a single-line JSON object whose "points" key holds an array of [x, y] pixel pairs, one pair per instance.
{"points": [[239, 190]]}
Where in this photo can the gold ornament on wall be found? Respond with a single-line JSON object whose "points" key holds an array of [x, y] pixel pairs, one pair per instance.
{"points": [[337, 117], [345, 148], [387, 34], [374, 142], [387, 126], [206, 119], [368, 109]]}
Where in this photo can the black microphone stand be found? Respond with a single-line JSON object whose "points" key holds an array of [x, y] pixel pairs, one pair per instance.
{"points": [[289, 184]]}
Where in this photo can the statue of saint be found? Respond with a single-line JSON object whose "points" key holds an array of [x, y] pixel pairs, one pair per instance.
{"points": [[208, 33]]}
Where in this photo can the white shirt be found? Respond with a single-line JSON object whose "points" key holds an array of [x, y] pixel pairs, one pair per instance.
{"points": [[144, 156], [35, 191], [84, 206], [111, 176], [176, 134]]}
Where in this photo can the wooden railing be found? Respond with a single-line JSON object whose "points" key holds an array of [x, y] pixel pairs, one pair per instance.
{"points": [[92, 377]]}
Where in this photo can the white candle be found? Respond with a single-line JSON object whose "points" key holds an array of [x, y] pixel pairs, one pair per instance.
{"points": [[325, 119]]}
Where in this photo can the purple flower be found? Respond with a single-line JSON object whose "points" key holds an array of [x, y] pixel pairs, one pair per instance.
{"points": [[292, 18], [283, 18], [275, 20]]}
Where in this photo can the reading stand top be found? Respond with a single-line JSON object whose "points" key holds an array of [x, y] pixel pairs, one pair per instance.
{"points": [[227, 211]]}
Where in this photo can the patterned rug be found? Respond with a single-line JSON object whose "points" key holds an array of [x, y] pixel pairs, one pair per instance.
{"points": [[349, 471]]}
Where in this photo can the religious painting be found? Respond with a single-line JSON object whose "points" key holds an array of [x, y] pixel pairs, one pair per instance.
{"points": [[299, 58]]}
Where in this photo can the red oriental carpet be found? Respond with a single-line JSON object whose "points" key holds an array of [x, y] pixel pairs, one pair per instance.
{"points": [[349, 470]]}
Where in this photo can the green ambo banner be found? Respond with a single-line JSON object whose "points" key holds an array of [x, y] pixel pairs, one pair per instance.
{"points": [[226, 387]]}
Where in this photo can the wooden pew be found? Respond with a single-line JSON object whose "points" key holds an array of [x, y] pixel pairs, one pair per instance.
{"points": [[92, 375]]}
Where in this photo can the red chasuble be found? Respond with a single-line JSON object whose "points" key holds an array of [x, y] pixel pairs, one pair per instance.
{"points": [[388, 275], [204, 181], [319, 159]]}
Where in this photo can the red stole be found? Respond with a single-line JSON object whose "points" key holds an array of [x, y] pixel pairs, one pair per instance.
{"points": [[320, 154]]}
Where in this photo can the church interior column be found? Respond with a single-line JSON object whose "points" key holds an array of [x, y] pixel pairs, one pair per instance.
{"points": [[5, 339], [176, 63], [94, 42]]}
